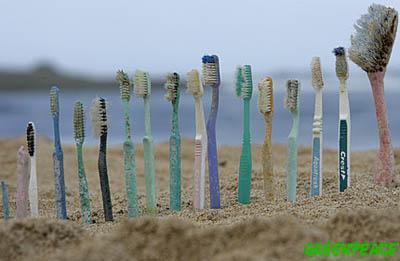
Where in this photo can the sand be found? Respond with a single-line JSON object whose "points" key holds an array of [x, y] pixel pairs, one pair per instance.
{"points": [[262, 230]]}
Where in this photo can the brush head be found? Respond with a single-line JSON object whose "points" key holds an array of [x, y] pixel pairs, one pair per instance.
{"points": [[316, 73], [142, 85], [244, 82], [99, 116], [211, 72], [79, 122], [195, 88], [30, 138], [342, 71], [372, 43], [292, 95], [265, 96], [172, 87], [125, 86], [54, 101]]}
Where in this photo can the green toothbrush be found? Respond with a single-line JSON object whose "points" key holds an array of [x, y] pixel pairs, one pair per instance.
{"points": [[129, 149], [244, 90], [172, 87], [142, 88]]}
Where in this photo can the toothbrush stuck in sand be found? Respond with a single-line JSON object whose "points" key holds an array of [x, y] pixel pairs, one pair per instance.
{"points": [[33, 189], [22, 199]]}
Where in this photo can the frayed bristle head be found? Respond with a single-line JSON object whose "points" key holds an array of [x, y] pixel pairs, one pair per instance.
{"points": [[316, 73], [30, 138], [244, 82], [342, 71], [125, 86], [172, 87], [79, 122], [265, 95], [211, 72], [195, 88], [372, 43], [54, 106], [142, 85], [99, 116], [292, 95]]}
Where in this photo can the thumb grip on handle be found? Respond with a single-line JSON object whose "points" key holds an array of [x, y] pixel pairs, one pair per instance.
{"points": [[292, 169], [149, 174], [130, 179], [199, 175]]}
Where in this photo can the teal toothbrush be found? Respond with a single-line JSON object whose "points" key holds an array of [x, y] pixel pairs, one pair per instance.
{"points": [[244, 90], [129, 149], [293, 106], [173, 93], [142, 88]]}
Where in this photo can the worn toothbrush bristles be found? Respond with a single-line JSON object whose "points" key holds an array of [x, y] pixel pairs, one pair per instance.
{"points": [[79, 122], [125, 85], [244, 82], [142, 85], [371, 45], [265, 98], [172, 87], [99, 117], [292, 87], [211, 72], [316, 73], [54, 106], [341, 63], [195, 88], [30, 139]]}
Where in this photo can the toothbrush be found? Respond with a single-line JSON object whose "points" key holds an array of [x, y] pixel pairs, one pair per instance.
{"points": [[244, 90], [129, 149], [58, 157], [293, 106], [100, 130], [371, 47], [195, 88], [142, 88], [22, 185], [79, 135], [173, 93], [6, 208], [266, 107], [344, 120], [33, 189], [211, 75], [317, 148]]}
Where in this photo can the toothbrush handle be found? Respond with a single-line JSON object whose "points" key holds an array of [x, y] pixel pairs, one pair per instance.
{"points": [[104, 183], [22, 185], [292, 168], [212, 151], [344, 159], [316, 173], [58, 164], [83, 187], [130, 178], [149, 174], [175, 171], [6, 209], [199, 172], [33, 190], [268, 169], [245, 158]]}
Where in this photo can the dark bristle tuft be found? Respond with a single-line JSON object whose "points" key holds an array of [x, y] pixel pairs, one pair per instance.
{"points": [[30, 139], [339, 51]]}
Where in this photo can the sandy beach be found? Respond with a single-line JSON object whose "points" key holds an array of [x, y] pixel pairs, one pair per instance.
{"points": [[262, 230]]}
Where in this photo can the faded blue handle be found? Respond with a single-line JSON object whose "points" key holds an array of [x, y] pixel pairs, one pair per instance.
{"points": [[316, 167]]}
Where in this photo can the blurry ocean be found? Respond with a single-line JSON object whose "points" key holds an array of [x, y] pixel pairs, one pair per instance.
{"points": [[19, 107]]}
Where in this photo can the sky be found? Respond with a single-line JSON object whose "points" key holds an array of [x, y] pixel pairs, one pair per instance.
{"points": [[99, 37]]}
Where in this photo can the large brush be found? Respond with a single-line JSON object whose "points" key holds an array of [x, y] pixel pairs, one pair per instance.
{"points": [[100, 130], [129, 150], [293, 106], [142, 89], [195, 88], [79, 135], [33, 189], [58, 156], [317, 148], [173, 93], [371, 47], [344, 120], [266, 107], [244, 90], [212, 78]]}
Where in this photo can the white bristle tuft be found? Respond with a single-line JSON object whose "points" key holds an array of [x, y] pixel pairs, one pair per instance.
{"points": [[211, 72], [342, 71], [125, 86], [142, 84], [79, 121], [172, 87], [54, 106], [316, 73], [292, 95], [195, 88], [99, 116], [265, 96]]}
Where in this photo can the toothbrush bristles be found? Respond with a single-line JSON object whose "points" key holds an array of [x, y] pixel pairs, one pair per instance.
{"points": [[142, 84], [341, 63], [316, 73], [211, 72], [54, 106], [292, 87], [244, 82], [124, 85], [172, 87], [99, 117], [30, 139], [195, 88], [79, 121], [265, 98]]}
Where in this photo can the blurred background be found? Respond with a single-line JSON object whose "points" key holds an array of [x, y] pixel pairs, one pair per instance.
{"points": [[79, 45]]}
